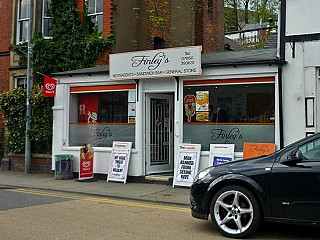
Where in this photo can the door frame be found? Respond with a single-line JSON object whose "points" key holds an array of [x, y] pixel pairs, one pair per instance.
{"points": [[165, 168]]}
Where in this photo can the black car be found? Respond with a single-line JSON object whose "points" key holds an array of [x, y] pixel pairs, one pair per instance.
{"points": [[281, 187]]}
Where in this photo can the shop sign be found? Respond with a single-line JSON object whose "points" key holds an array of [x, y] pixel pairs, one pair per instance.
{"points": [[156, 63], [221, 153], [86, 162], [188, 164], [118, 166], [251, 150], [49, 87]]}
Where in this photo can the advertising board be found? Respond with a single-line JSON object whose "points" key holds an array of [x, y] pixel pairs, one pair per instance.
{"points": [[187, 165], [120, 156]]}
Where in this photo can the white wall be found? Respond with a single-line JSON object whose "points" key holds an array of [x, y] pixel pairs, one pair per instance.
{"points": [[299, 81], [302, 17]]}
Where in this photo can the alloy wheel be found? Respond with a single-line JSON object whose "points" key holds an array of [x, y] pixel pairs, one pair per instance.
{"points": [[233, 212]]}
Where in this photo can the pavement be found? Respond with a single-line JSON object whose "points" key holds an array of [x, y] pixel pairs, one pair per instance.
{"points": [[146, 192]]}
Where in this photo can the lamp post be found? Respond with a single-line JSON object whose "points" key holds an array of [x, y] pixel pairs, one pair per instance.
{"points": [[27, 151]]}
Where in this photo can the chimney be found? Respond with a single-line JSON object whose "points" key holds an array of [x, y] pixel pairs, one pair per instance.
{"points": [[209, 25]]}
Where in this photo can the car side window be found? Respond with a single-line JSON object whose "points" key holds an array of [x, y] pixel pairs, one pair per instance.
{"points": [[311, 150]]}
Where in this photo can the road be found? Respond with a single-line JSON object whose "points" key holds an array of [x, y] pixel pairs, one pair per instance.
{"points": [[32, 214]]}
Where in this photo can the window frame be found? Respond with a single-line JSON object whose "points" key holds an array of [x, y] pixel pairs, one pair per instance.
{"points": [[91, 89], [45, 17], [95, 14], [24, 77], [21, 20], [231, 82]]}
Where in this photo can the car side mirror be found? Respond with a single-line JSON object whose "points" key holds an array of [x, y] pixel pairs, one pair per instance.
{"points": [[295, 157]]}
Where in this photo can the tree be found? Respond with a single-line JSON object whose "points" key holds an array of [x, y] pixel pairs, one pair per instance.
{"points": [[75, 44], [241, 12]]}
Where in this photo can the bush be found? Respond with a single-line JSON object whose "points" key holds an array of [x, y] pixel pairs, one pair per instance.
{"points": [[13, 107]]}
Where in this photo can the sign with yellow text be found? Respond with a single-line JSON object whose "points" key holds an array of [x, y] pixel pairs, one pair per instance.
{"points": [[251, 150]]}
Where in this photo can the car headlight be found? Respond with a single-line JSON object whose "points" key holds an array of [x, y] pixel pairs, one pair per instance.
{"points": [[201, 174]]}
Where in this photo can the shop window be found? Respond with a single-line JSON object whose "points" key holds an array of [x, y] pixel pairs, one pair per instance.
{"points": [[23, 20], [233, 113], [101, 118], [95, 11], [46, 20]]}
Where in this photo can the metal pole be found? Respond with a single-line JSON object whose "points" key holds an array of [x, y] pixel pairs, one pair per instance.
{"points": [[29, 87]]}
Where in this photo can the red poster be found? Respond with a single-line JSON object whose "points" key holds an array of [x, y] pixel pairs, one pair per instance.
{"points": [[49, 87], [190, 106], [86, 162], [88, 107]]}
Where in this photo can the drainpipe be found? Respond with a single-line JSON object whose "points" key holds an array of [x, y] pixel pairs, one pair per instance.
{"points": [[282, 60]]}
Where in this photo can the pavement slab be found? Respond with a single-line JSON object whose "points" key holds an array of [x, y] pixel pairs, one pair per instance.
{"points": [[149, 192]]}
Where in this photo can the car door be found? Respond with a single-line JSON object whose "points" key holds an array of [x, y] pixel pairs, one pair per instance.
{"points": [[295, 184]]}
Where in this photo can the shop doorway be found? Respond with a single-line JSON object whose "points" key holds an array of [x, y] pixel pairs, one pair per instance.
{"points": [[159, 133]]}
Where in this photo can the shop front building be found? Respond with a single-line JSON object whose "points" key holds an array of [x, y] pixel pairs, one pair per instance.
{"points": [[231, 98]]}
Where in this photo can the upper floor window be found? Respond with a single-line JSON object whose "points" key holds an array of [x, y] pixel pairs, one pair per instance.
{"points": [[46, 20], [20, 81], [23, 20], [95, 11]]}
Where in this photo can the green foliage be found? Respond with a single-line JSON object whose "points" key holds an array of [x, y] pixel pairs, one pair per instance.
{"points": [[12, 105], [41, 120], [240, 12], [156, 14], [75, 44], [160, 14]]}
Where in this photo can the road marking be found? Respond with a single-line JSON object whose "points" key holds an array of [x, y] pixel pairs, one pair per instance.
{"points": [[100, 200]]}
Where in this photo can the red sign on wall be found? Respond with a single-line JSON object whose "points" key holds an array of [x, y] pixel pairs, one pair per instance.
{"points": [[86, 162], [49, 87]]}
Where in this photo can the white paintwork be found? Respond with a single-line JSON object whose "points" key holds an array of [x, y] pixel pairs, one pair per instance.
{"points": [[300, 74], [161, 85], [302, 17]]}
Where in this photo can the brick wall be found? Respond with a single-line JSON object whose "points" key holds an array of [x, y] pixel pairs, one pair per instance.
{"points": [[5, 40], [209, 25], [107, 25], [5, 24], [39, 164], [107, 17], [153, 31], [4, 71]]}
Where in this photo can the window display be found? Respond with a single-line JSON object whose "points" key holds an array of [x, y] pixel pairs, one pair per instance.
{"points": [[229, 113], [101, 118]]}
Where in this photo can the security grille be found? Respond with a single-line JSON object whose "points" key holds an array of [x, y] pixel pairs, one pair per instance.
{"points": [[159, 131]]}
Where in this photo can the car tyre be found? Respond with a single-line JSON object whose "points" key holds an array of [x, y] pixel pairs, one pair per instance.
{"points": [[235, 211]]}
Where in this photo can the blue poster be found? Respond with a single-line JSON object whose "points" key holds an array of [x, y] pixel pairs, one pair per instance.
{"points": [[219, 160]]}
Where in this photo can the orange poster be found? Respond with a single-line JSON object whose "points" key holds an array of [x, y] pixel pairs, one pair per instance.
{"points": [[251, 150]]}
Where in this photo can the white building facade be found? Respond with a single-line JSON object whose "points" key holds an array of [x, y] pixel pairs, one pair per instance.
{"points": [[300, 48], [233, 100]]}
